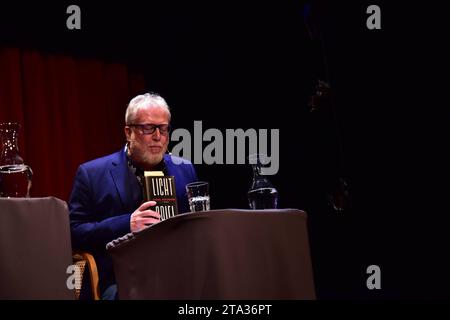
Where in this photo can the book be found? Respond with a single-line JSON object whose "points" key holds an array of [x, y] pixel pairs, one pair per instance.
{"points": [[161, 188]]}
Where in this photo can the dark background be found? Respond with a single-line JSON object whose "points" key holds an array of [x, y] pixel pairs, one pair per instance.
{"points": [[254, 65]]}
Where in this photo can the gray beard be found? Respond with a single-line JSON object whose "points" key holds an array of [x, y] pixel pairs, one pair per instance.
{"points": [[146, 162]]}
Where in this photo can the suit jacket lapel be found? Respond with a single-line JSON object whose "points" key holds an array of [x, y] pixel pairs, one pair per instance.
{"points": [[119, 173]]}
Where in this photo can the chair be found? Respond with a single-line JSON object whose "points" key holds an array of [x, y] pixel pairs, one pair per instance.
{"points": [[83, 259]]}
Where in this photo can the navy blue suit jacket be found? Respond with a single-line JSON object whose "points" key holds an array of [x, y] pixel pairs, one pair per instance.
{"points": [[104, 195]]}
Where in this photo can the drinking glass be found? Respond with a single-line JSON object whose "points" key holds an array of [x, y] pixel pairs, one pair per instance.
{"points": [[198, 196]]}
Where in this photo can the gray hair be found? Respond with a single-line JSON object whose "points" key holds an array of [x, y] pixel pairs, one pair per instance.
{"points": [[152, 100]]}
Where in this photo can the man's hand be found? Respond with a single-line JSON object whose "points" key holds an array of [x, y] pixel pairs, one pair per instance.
{"points": [[144, 217]]}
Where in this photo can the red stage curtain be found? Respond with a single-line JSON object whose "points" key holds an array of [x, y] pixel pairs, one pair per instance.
{"points": [[71, 110]]}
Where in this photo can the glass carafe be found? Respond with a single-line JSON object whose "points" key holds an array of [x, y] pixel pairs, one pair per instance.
{"points": [[15, 176], [262, 194]]}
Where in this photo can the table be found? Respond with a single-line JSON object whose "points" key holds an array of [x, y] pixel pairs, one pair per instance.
{"points": [[218, 254], [35, 249]]}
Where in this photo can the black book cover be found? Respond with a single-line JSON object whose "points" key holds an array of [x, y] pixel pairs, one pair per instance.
{"points": [[161, 189]]}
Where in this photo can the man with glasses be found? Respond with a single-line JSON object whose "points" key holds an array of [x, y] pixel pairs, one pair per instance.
{"points": [[107, 195]]}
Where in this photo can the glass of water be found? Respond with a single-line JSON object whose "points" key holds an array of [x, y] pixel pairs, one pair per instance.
{"points": [[198, 196]]}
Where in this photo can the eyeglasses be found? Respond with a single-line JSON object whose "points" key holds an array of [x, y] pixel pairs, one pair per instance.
{"points": [[149, 128]]}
